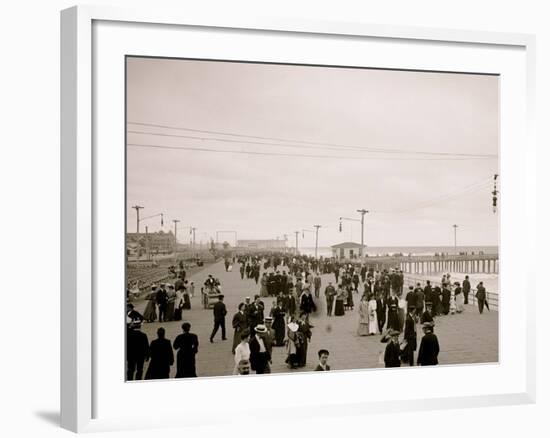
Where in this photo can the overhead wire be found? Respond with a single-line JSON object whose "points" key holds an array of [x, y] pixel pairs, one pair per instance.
{"points": [[470, 188], [304, 142], [281, 154]]}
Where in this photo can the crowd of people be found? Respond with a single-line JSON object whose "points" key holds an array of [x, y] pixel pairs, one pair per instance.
{"points": [[294, 286]]}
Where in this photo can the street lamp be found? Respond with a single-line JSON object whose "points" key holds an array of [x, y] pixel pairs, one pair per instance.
{"points": [[362, 220], [455, 227], [316, 238]]}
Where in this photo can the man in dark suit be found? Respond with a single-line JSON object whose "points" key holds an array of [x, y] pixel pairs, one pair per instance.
{"points": [[161, 357], [162, 300], [429, 346], [219, 318], [259, 354], [239, 324], [410, 337], [137, 350], [466, 288], [255, 313], [323, 358], [392, 353]]}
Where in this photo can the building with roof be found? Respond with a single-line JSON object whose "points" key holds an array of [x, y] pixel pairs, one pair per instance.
{"points": [[347, 250]]}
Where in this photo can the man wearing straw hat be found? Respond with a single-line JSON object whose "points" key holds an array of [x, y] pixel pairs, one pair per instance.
{"points": [[259, 354]]}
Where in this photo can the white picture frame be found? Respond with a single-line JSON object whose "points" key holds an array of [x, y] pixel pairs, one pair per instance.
{"points": [[85, 174]]}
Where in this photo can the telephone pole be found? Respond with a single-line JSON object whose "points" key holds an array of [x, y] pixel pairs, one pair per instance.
{"points": [[175, 238], [316, 238], [363, 212], [193, 233], [137, 208], [455, 226], [296, 249]]}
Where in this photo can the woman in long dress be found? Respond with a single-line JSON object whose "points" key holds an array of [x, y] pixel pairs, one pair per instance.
{"points": [[278, 315], [171, 305], [373, 320], [263, 287], [349, 301], [292, 345], [178, 304], [150, 313], [393, 315], [363, 329], [339, 301], [459, 298]]}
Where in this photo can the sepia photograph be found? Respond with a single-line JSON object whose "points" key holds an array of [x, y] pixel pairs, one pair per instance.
{"points": [[290, 218]]}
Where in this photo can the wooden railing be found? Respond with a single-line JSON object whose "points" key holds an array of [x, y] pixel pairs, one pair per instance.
{"points": [[492, 297]]}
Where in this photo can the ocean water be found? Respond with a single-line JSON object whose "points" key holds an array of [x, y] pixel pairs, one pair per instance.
{"points": [[326, 251]]}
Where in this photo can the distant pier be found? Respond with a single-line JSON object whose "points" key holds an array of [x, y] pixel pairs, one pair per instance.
{"points": [[469, 264]]}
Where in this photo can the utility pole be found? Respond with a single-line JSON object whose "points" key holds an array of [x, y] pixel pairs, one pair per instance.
{"points": [[147, 242], [137, 208], [193, 232], [175, 238], [363, 212], [316, 238], [296, 249], [455, 226]]}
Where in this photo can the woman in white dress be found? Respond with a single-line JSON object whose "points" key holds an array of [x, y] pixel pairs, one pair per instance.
{"points": [[242, 351], [373, 319]]}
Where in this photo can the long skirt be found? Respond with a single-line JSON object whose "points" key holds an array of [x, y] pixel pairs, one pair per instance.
{"points": [[363, 329], [186, 302], [279, 328], [373, 325], [170, 307], [393, 320], [459, 303], [150, 313], [339, 308], [301, 352], [186, 366]]}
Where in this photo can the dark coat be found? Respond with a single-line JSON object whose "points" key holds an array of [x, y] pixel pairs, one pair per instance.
{"points": [[187, 345], [161, 358], [255, 315], [219, 311], [239, 322], [137, 345], [318, 368], [392, 355], [258, 361], [426, 317], [429, 350], [307, 304], [410, 332]]}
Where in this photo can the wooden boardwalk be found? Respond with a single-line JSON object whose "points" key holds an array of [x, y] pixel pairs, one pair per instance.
{"points": [[464, 338]]}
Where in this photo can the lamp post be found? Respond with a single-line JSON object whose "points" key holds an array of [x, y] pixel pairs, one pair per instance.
{"points": [[316, 238], [175, 238], [455, 226], [137, 208], [363, 212]]}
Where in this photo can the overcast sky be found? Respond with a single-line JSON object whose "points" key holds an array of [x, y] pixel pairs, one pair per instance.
{"points": [[414, 199]]}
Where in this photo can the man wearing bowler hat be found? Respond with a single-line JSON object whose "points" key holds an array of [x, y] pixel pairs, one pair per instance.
{"points": [[393, 351]]}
